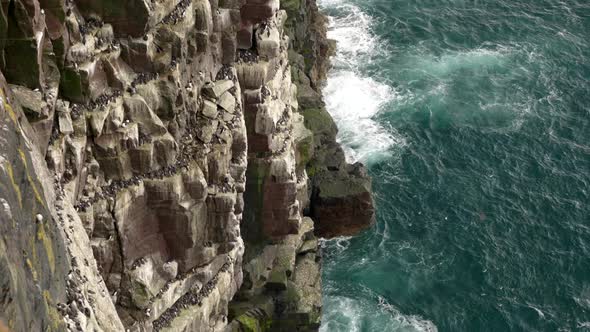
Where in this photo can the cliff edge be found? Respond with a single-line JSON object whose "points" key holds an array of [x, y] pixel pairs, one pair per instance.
{"points": [[161, 162]]}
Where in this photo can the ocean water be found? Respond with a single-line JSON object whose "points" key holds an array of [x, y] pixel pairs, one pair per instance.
{"points": [[474, 120]]}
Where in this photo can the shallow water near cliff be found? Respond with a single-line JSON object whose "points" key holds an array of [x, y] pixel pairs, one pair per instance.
{"points": [[474, 120]]}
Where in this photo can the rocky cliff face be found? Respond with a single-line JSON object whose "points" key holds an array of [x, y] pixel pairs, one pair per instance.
{"points": [[154, 164], [341, 200]]}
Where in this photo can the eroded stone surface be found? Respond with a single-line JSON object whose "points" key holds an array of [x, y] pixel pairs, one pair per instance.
{"points": [[341, 202], [162, 146]]}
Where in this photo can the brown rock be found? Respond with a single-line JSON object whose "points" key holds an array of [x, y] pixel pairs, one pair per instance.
{"points": [[342, 204]]}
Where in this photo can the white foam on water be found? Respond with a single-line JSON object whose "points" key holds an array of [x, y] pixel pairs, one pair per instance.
{"points": [[354, 99], [407, 322], [360, 308], [345, 315], [337, 244], [449, 63], [538, 311], [352, 31], [437, 90], [369, 314]]}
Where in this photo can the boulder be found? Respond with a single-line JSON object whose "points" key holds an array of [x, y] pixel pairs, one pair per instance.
{"points": [[216, 89], [228, 102], [209, 109], [341, 204]]}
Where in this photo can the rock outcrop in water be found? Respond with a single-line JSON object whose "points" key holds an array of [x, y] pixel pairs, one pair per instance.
{"points": [[157, 159], [341, 200]]}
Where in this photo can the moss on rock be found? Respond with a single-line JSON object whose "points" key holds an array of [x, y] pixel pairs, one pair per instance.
{"points": [[71, 85], [320, 122]]}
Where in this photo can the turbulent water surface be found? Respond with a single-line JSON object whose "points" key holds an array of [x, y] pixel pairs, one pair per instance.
{"points": [[474, 120]]}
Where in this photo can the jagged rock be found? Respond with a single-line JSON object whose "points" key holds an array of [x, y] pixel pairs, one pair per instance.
{"points": [[74, 84], [228, 102], [144, 283], [37, 111], [252, 75], [342, 204], [306, 280], [258, 11], [206, 132], [24, 44], [118, 72], [79, 53], [203, 18], [209, 109], [65, 123], [223, 20], [34, 107], [308, 246], [216, 89], [304, 140], [38, 285], [170, 144], [253, 96], [137, 110], [118, 12], [97, 121]]}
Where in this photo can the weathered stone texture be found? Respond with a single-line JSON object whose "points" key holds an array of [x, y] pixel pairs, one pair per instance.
{"points": [[49, 276], [341, 201], [154, 163]]}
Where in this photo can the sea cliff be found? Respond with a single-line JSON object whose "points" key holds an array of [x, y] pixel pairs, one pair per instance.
{"points": [[168, 165]]}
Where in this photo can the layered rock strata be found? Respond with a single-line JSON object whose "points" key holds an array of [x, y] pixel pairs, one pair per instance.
{"points": [[154, 160], [281, 289]]}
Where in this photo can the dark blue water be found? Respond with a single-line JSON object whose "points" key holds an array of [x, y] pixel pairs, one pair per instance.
{"points": [[474, 119]]}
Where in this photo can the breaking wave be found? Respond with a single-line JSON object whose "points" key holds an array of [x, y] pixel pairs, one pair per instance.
{"points": [[353, 99]]}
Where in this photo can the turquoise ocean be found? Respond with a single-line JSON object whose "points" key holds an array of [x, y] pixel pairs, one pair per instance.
{"points": [[473, 117]]}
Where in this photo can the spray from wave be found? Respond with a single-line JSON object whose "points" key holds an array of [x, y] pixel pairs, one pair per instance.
{"points": [[369, 311], [360, 308], [353, 99]]}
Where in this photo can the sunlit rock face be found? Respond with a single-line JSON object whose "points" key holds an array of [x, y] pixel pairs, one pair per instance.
{"points": [[154, 160]]}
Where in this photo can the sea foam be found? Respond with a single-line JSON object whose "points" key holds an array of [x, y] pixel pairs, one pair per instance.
{"points": [[369, 312], [354, 99]]}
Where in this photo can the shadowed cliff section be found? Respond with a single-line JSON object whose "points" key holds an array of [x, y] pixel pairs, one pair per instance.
{"points": [[38, 257], [33, 261]]}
